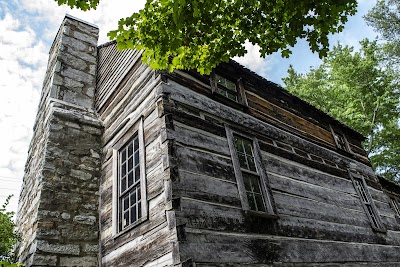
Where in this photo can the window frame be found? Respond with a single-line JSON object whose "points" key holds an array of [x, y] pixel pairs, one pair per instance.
{"points": [[395, 205], [336, 135], [260, 171], [127, 136], [378, 226], [241, 96]]}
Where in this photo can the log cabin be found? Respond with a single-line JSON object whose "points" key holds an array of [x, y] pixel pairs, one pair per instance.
{"points": [[134, 167]]}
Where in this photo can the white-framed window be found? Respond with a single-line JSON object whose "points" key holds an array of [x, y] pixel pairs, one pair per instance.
{"points": [[129, 181], [228, 88], [367, 202], [251, 177]]}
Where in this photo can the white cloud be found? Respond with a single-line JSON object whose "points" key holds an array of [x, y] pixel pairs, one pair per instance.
{"points": [[27, 30], [22, 57], [253, 60]]}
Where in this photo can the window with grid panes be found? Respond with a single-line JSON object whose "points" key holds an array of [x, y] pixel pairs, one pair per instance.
{"points": [[251, 178], [129, 199], [366, 200], [226, 88], [396, 205]]}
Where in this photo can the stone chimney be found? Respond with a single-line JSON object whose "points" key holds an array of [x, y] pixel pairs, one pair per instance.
{"points": [[58, 206]]}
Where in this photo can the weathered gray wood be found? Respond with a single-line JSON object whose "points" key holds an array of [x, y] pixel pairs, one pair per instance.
{"points": [[204, 162], [201, 245], [196, 138], [314, 192], [214, 216], [302, 207], [206, 188], [157, 242], [303, 173]]}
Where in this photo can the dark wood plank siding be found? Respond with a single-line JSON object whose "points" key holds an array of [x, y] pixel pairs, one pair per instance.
{"points": [[126, 93], [321, 221], [273, 105]]}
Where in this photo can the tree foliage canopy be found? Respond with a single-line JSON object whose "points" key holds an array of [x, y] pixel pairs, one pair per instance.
{"points": [[354, 88], [199, 34], [8, 236], [385, 18]]}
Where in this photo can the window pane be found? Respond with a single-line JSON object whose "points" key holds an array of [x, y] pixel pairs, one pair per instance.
{"points": [[125, 205], [248, 145], [133, 214], [136, 143], [125, 220], [123, 184], [137, 173], [130, 163], [242, 161], [123, 156], [133, 196], [139, 209], [123, 169], [231, 96], [225, 83], [130, 149], [247, 182], [138, 193], [396, 206], [256, 184], [260, 202], [239, 144], [130, 179], [252, 165], [222, 92], [250, 199], [372, 215], [136, 157]]}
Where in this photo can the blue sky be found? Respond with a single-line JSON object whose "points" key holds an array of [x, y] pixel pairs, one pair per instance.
{"points": [[27, 29]]}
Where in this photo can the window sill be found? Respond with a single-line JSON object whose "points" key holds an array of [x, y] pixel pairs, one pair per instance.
{"points": [[129, 228], [379, 230], [261, 214], [229, 102]]}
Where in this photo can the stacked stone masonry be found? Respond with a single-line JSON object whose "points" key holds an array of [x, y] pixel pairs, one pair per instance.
{"points": [[58, 211]]}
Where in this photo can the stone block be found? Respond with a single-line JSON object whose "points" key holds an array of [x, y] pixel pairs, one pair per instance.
{"points": [[92, 40], [77, 98], [87, 57], [87, 261], [46, 260], [73, 61], [73, 84], [78, 75], [75, 44], [84, 219], [81, 175], [90, 248], [68, 249]]}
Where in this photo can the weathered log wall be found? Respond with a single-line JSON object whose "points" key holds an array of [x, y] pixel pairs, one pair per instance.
{"points": [[131, 95], [195, 212], [321, 221]]}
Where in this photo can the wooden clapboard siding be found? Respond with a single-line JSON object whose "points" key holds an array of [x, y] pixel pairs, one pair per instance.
{"points": [[126, 93], [320, 216]]}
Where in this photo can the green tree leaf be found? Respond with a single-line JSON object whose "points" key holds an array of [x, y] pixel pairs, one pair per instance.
{"points": [[205, 33], [359, 90]]}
